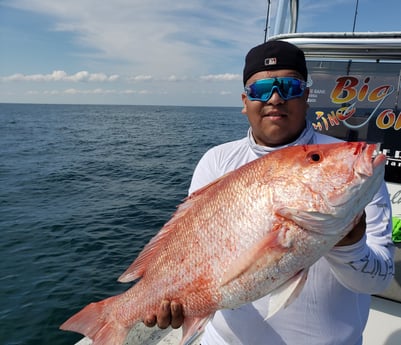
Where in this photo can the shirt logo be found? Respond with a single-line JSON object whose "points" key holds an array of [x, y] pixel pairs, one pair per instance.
{"points": [[270, 61]]}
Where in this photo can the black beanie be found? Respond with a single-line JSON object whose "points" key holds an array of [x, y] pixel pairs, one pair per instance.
{"points": [[274, 55]]}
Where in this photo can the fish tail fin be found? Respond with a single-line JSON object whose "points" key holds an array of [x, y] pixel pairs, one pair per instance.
{"points": [[97, 324]]}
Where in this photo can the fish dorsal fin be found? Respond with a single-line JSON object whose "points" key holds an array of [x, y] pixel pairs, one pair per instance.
{"points": [[285, 294], [139, 266], [203, 189]]}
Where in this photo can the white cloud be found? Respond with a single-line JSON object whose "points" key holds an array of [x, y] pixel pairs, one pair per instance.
{"points": [[101, 77], [85, 76], [55, 76], [175, 78], [72, 91], [82, 76], [140, 78], [221, 77], [95, 91]]}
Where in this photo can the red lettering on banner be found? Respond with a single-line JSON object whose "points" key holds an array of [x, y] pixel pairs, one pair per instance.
{"points": [[346, 90]]}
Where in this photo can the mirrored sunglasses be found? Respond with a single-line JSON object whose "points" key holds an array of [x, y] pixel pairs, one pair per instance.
{"points": [[287, 88]]}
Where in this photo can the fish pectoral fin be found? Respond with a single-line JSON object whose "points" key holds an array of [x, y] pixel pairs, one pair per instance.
{"points": [[311, 220], [285, 294], [249, 261], [192, 328]]}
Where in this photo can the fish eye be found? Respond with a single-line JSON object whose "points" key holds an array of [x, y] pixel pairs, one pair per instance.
{"points": [[314, 157]]}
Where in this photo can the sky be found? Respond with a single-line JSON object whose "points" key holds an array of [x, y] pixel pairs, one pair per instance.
{"points": [[151, 52]]}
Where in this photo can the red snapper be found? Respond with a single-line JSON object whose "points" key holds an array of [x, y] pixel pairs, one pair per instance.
{"points": [[251, 232]]}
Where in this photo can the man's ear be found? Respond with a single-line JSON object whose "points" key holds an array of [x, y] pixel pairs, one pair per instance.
{"points": [[244, 98], [306, 93]]}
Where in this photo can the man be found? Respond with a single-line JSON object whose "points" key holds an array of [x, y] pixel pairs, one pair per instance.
{"points": [[334, 304]]}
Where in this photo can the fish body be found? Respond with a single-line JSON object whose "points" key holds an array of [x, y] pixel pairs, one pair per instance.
{"points": [[252, 232]]}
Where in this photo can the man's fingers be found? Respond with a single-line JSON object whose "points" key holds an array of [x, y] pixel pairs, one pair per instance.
{"points": [[168, 314], [164, 315], [177, 316], [150, 320], [355, 234]]}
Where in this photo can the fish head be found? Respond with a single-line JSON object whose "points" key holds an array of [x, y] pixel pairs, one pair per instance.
{"points": [[328, 184]]}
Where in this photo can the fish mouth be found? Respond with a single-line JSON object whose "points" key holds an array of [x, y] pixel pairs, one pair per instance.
{"points": [[369, 159], [378, 158], [368, 175]]}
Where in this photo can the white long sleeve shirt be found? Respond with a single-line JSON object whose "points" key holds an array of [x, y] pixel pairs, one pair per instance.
{"points": [[333, 306]]}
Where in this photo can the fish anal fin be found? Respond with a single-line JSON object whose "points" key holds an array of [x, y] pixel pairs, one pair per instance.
{"points": [[285, 294], [192, 328], [249, 260]]}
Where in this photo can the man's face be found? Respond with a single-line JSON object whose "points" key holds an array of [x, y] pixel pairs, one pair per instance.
{"points": [[277, 121]]}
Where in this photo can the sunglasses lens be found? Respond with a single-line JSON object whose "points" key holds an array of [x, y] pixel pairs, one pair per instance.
{"points": [[261, 89], [288, 88]]}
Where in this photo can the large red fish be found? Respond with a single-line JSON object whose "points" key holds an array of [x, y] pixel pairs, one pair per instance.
{"points": [[252, 232]]}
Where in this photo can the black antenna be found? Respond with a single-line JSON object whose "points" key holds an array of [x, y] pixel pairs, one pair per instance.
{"points": [[267, 19], [356, 13]]}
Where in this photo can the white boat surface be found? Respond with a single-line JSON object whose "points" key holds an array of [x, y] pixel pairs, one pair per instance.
{"points": [[142, 335]]}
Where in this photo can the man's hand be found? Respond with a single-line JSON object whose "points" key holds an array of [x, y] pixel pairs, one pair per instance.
{"points": [[168, 314], [356, 234]]}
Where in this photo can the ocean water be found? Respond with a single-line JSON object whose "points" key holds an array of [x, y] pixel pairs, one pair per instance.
{"points": [[82, 189]]}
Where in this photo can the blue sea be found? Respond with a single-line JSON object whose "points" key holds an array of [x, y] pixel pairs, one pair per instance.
{"points": [[82, 189]]}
